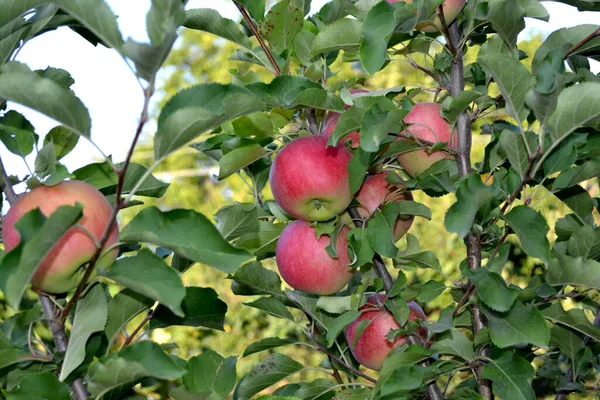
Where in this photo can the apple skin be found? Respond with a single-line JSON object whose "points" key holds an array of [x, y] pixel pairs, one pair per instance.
{"points": [[304, 263], [426, 123], [375, 192], [310, 180], [332, 119], [372, 346], [451, 10], [60, 270]]}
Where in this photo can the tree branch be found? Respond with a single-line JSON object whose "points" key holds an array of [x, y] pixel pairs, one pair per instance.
{"points": [[57, 327], [463, 159], [262, 43]]}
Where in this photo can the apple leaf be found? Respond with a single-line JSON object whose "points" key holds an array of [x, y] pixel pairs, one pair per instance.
{"points": [[343, 34], [258, 280], [45, 96], [377, 28], [201, 307], [209, 20], [239, 158], [237, 219], [512, 376], [576, 271], [10, 355], [41, 386], [454, 342], [282, 23], [513, 145], [124, 306], [531, 228], [564, 39], [266, 344], [272, 306], [338, 325], [210, 372], [138, 360], [263, 240], [148, 274], [163, 19], [17, 133], [90, 316], [521, 324], [507, 18], [187, 233], [568, 342], [492, 289], [271, 370]]}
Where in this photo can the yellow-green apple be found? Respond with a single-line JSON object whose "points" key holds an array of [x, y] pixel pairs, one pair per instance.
{"points": [[332, 119], [310, 180], [60, 270], [425, 123], [451, 10], [372, 347], [304, 263], [376, 192]]}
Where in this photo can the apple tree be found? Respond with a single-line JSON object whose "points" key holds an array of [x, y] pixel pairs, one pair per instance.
{"points": [[91, 265]]}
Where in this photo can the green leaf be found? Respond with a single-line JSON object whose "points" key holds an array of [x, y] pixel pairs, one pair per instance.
{"points": [[492, 289], [239, 158], [513, 80], [357, 168], [380, 235], [308, 304], [579, 200], [259, 279], [264, 240], [237, 219], [209, 20], [201, 307], [399, 358], [454, 342], [187, 233], [256, 8], [256, 124], [472, 196], [564, 39], [47, 232], [343, 34], [377, 28], [425, 259], [163, 19], [568, 342], [585, 242], [376, 125], [272, 306], [577, 105], [572, 176], [507, 19], [210, 372], [266, 344], [44, 386], [458, 104], [17, 133], [521, 324], [45, 96], [138, 360], [283, 22], [97, 17], [430, 291], [121, 309], [576, 271], [148, 59], [64, 140], [303, 43], [10, 355], [338, 325], [335, 304], [531, 228], [444, 322], [270, 371], [514, 147], [90, 316], [148, 274], [198, 109], [512, 376]]}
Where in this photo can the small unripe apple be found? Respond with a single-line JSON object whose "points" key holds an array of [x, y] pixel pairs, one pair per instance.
{"points": [[310, 180], [375, 192], [372, 347], [451, 10], [304, 263], [332, 120], [427, 124], [60, 270]]}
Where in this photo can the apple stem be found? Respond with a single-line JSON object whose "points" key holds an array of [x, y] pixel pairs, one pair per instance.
{"points": [[463, 159]]}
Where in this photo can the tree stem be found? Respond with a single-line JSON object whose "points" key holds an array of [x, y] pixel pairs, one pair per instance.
{"points": [[463, 159]]}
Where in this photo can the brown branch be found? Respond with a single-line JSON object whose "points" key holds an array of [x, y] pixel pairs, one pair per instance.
{"points": [[311, 121], [148, 92], [262, 43], [575, 47], [138, 328], [435, 77], [463, 159], [57, 327]]}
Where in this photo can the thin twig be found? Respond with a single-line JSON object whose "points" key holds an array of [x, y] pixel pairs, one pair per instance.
{"points": [[258, 37], [311, 121], [463, 159], [148, 92], [7, 188], [147, 318], [584, 41]]}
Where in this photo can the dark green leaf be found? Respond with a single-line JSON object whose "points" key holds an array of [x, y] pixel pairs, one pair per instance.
{"points": [[64, 140], [512, 376], [568, 342], [264, 240], [272, 306], [44, 386], [531, 228], [270, 371], [210, 372], [17, 133], [564, 39], [122, 308], [566, 270], [259, 279], [148, 59], [163, 19], [338, 325], [187, 233], [239, 158], [237, 219], [10, 355], [377, 28], [209, 20], [454, 342], [343, 34], [521, 324], [283, 22], [513, 145], [492, 289], [507, 19], [266, 344]]}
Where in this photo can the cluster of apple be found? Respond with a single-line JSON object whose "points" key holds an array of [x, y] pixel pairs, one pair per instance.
{"points": [[310, 181]]}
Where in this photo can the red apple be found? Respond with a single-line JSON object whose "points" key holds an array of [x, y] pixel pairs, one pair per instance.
{"points": [[372, 347], [451, 10], [332, 119], [427, 124], [60, 270], [310, 180], [375, 192], [305, 265]]}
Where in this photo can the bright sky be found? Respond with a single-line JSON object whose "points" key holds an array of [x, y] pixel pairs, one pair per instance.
{"points": [[110, 91]]}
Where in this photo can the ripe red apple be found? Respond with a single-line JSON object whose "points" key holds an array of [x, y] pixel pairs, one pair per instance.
{"points": [[60, 270], [310, 180], [375, 192], [451, 10], [427, 124], [372, 347], [305, 265], [332, 120]]}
